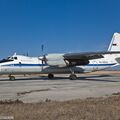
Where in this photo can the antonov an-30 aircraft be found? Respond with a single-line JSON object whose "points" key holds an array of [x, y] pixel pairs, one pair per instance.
{"points": [[63, 63]]}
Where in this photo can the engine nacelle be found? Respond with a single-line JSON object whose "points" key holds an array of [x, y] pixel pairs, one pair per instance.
{"points": [[55, 60]]}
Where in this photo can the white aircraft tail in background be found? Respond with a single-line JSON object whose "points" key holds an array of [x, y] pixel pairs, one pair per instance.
{"points": [[63, 63], [115, 43]]}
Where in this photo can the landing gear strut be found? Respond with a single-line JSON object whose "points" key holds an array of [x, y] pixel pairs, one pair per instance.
{"points": [[12, 78], [50, 76], [72, 75]]}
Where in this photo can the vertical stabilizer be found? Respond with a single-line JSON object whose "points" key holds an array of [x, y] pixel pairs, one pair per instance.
{"points": [[115, 43]]}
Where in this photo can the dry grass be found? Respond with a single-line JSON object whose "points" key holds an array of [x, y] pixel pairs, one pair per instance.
{"points": [[88, 109]]}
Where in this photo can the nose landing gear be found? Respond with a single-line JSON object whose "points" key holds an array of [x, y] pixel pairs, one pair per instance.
{"points": [[12, 78]]}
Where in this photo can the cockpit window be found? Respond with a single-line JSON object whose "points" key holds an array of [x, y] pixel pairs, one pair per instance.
{"points": [[11, 58], [5, 60], [15, 58], [8, 59]]}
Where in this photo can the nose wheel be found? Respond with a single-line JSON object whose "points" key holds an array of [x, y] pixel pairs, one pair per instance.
{"points": [[12, 78]]}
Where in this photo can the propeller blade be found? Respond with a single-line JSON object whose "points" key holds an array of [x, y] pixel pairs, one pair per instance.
{"points": [[43, 59]]}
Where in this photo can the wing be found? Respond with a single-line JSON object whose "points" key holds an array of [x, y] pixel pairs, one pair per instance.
{"points": [[83, 58]]}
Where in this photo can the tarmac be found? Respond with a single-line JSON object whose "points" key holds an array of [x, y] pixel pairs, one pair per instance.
{"points": [[36, 88]]}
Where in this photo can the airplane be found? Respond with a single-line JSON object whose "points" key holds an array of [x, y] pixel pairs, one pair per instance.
{"points": [[70, 63]]}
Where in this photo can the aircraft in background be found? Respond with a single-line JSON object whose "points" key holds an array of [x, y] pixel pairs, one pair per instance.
{"points": [[70, 63]]}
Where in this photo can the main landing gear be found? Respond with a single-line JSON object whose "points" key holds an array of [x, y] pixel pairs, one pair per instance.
{"points": [[12, 78], [50, 76], [73, 77]]}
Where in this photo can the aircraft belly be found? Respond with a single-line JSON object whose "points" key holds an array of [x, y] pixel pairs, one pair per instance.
{"points": [[6, 69], [30, 69], [19, 70], [94, 68], [62, 70]]}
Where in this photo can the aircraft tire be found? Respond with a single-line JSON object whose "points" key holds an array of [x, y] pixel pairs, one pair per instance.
{"points": [[11, 78], [50, 76], [73, 77]]}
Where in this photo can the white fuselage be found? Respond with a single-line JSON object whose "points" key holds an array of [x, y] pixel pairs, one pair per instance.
{"points": [[33, 65]]}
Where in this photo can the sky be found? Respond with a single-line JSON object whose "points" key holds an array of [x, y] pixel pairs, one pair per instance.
{"points": [[60, 25]]}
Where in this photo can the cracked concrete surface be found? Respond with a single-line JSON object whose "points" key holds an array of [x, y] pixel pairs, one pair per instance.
{"points": [[36, 89]]}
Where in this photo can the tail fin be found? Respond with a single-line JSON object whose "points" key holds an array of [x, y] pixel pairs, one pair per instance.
{"points": [[115, 43]]}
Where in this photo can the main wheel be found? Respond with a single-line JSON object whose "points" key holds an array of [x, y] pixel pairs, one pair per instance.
{"points": [[12, 78], [73, 77], [50, 76]]}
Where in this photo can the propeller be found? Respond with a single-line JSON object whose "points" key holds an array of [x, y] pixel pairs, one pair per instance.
{"points": [[44, 60]]}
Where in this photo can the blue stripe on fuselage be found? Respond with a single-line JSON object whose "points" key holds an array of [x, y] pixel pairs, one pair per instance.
{"points": [[37, 65], [101, 64], [26, 65]]}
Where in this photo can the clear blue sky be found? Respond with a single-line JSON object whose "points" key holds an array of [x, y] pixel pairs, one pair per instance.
{"points": [[61, 25]]}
